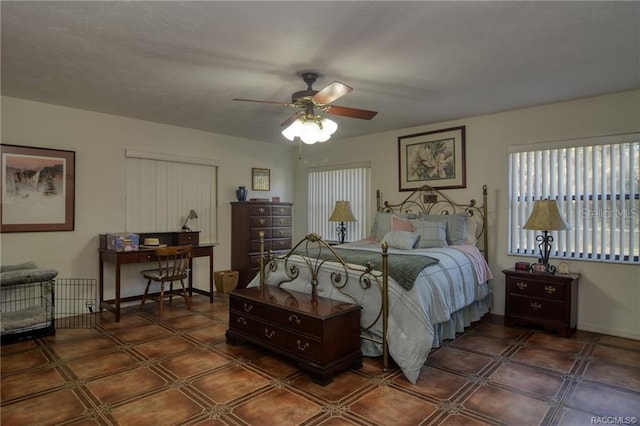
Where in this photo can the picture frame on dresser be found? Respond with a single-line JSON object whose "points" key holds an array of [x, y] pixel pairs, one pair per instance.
{"points": [[260, 179]]}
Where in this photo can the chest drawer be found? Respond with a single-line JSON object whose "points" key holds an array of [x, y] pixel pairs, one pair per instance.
{"points": [[282, 244], [281, 211], [241, 322], [305, 347], [254, 246], [271, 334], [281, 232], [248, 307], [281, 221], [260, 221], [298, 322], [260, 210], [254, 233]]}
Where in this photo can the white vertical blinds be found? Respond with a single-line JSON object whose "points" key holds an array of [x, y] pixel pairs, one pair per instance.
{"points": [[328, 185], [160, 194], [596, 183]]}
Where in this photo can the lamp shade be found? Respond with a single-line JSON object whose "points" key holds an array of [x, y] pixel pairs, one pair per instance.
{"points": [[311, 130], [546, 217], [342, 213]]}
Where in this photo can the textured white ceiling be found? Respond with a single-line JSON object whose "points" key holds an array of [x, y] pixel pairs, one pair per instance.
{"points": [[416, 63]]}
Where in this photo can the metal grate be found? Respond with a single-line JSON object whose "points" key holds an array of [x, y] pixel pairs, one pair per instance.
{"points": [[76, 302], [26, 311]]}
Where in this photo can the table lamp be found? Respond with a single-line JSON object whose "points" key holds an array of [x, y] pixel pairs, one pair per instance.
{"points": [[342, 213], [192, 215], [546, 217]]}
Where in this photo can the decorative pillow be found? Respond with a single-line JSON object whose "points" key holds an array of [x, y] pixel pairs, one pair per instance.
{"points": [[432, 233], [456, 225], [472, 240], [382, 223], [402, 240], [400, 224]]}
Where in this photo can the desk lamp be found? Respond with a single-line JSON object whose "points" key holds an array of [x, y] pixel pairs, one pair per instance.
{"points": [[342, 213], [545, 217], [192, 215]]}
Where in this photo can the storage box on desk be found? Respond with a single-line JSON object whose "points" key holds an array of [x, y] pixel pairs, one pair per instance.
{"points": [[123, 241], [226, 281]]}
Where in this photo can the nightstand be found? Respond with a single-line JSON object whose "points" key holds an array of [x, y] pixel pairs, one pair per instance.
{"points": [[550, 301]]}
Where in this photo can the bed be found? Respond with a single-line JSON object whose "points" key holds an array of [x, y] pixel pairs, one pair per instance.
{"points": [[420, 277]]}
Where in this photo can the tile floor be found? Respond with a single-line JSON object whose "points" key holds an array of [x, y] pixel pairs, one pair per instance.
{"points": [[178, 370]]}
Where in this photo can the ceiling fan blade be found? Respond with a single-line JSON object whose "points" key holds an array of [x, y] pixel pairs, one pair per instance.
{"points": [[262, 102], [331, 92], [351, 112], [292, 118]]}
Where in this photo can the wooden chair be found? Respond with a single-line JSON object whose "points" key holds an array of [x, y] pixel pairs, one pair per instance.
{"points": [[173, 265]]}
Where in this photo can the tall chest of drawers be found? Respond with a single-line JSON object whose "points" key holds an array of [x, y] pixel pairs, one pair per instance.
{"points": [[248, 219], [550, 301]]}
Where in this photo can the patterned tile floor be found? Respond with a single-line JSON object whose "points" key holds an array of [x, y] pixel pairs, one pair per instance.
{"points": [[178, 370]]}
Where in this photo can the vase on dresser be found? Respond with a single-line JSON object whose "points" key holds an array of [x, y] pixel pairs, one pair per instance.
{"points": [[241, 193]]}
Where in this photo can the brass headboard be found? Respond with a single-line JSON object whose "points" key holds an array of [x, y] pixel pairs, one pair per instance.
{"points": [[433, 201]]}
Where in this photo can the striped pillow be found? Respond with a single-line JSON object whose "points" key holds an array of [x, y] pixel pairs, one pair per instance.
{"points": [[432, 234]]}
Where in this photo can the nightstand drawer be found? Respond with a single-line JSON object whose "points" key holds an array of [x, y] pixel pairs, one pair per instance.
{"points": [[523, 286], [536, 308], [550, 290]]}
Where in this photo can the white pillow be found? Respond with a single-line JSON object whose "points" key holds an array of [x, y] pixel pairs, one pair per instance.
{"points": [[432, 234], [403, 240]]}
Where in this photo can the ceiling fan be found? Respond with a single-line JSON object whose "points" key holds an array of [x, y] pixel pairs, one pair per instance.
{"points": [[309, 99]]}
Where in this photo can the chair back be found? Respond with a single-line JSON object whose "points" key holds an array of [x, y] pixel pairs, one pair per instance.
{"points": [[174, 261]]}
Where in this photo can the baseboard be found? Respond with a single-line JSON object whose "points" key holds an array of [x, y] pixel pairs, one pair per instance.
{"points": [[626, 334]]}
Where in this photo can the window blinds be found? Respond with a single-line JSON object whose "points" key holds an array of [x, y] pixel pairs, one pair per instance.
{"points": [[596, 183], [327, 185]]}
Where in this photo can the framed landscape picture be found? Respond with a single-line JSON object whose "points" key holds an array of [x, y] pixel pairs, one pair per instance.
{"points": [[38, 189], [436, 159]]}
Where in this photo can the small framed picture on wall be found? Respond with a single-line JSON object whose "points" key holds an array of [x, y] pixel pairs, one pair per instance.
{"points": [[260, 179]]}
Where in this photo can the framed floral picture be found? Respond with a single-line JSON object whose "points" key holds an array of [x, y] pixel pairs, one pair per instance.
{"points": [[260, 179], [436, 159], [38, 189]]}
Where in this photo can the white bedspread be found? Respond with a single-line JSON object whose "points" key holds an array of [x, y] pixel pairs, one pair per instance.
{"points": [[439, 291]]}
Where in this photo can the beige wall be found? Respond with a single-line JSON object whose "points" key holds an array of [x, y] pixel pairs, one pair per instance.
{"points": [[609, 294], [100, 141]]}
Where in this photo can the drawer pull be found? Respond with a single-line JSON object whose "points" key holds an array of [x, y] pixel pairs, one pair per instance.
{"points": [[269, 334], [294, 318], [521, 285], [550, 289], [241, 321], [247, 308], [261, 221], [536, 306], [281, 233], [302, 347], [282, 221], [261, 210], [281, 211], [281, 243]]}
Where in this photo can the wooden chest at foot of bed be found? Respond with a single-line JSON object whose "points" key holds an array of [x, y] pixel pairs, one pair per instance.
{"points": [[321, 335]]}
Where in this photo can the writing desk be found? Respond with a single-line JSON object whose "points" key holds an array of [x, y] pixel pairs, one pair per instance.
{"points": [[144, 255]]}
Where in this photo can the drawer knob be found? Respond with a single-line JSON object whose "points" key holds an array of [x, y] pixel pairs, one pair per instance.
{"points": [[269, 333], [281, 221], [536, 306], [302, 347], [521, 285], [281, 211], [294, 318], [281, 243], [261, 221], [550, 289], [247, 307], [241, 321], [261, 210]]}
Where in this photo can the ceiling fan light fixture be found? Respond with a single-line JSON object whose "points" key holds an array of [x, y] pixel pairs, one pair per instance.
{"points": [[311, 130]]}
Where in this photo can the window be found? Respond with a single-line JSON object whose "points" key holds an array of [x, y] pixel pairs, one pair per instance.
{"points": [[162, 189], [596, 183], [339, 183]]}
